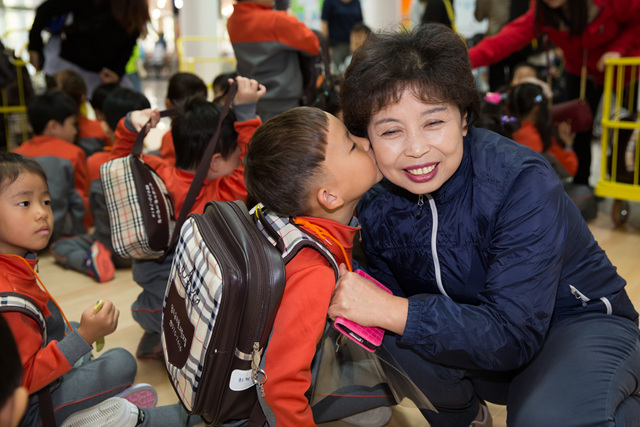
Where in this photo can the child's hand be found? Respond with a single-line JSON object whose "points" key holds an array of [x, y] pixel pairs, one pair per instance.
{"points": [[249, 90], [97, 325], [140, 118], [565, 134]]}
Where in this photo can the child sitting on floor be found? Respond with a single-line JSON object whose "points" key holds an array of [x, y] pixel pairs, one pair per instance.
{"points": [[53, 117], [302, 164], [192, 130], [93, 253], [182, 86]]}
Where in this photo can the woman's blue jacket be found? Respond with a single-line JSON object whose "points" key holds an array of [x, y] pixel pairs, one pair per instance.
{"points": [[490, 260]]}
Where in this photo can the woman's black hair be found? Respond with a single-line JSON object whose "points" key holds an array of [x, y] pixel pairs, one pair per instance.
{"points": [[432, 61]]}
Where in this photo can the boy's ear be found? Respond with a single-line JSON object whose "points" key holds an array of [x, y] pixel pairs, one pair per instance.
{"points": [[51, 127], [328, 199], [214, 166]]}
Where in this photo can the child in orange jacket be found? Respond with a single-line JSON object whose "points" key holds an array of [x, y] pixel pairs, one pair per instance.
{"points": [[304, 164], [182, 86], [52, 116], [527, 102], [192, 129]]}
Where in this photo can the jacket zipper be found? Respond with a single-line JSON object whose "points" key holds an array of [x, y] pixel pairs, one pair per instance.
{"points": [[585, 299]]}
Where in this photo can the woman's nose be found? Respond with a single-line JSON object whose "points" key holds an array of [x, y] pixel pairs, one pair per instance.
{"points": [[416, 146]]}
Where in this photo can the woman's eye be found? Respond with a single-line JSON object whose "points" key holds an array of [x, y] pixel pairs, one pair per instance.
{"points": [[389, 132]]}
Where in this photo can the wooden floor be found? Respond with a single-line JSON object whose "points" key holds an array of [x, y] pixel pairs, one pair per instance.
{"points": [[74, 292]]}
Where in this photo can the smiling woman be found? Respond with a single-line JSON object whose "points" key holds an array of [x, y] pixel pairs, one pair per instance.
{"points": [[496, 278]]}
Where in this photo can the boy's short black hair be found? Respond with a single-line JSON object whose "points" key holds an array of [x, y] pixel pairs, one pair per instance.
{"points": [[194, 127], [100, 94], [10, 364], [119, 102], [51, 105], [14, 164], [284, 158], [183, 86]]}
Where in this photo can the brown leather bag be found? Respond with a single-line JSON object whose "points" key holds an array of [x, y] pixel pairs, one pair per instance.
{"points": [[575, 111]]}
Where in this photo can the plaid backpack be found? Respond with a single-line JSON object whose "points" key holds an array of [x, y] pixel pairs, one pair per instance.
{"points": [[223, 293]]}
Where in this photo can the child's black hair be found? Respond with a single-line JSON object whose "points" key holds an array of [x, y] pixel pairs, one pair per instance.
{"points": [[183, 86], [120, 102], [523, 98], [51, 105], [222, 81], [493, 115], [10, 364], [14, 164], [284, 158], [100, 94], [195, 125]]}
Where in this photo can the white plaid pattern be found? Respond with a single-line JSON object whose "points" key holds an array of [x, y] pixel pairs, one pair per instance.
{"points": [[201, 289], [128, 233], [195, 274], [15, 302]]}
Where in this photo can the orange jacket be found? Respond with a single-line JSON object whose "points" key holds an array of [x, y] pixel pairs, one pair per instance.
{"points": [[88, 128], [299, 325], [167, 150], [41, 364], [41, 145], [178, 181], [528, 135]]}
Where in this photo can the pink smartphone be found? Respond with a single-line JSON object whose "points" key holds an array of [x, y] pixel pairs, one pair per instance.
{"points": [[368, 338]]}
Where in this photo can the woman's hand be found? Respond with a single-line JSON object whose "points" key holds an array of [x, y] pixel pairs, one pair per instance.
{"points": [[361, 301], [140, 118], [108, 76], [604, 57], [34, 58], [97, 325], [249, 90]]}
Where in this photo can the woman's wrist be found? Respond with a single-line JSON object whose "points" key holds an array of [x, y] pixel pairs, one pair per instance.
{"points": [[394, 317]]}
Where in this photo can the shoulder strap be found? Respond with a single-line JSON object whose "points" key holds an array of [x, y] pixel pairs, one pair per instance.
{"points": [[289, 238], [201, 172], [13, 301]]}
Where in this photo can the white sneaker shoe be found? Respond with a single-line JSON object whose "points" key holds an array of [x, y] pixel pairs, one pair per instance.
{"points": [[113, 412], [142, 395]]}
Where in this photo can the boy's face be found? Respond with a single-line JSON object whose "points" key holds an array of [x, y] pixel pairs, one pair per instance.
{"points": [[349, 162], [356, 39], [26, 218], [68, 130], [523, 73]]}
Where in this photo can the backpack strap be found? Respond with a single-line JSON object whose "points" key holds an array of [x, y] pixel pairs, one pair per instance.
{"points": [[289, 238], [13, 301]]}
